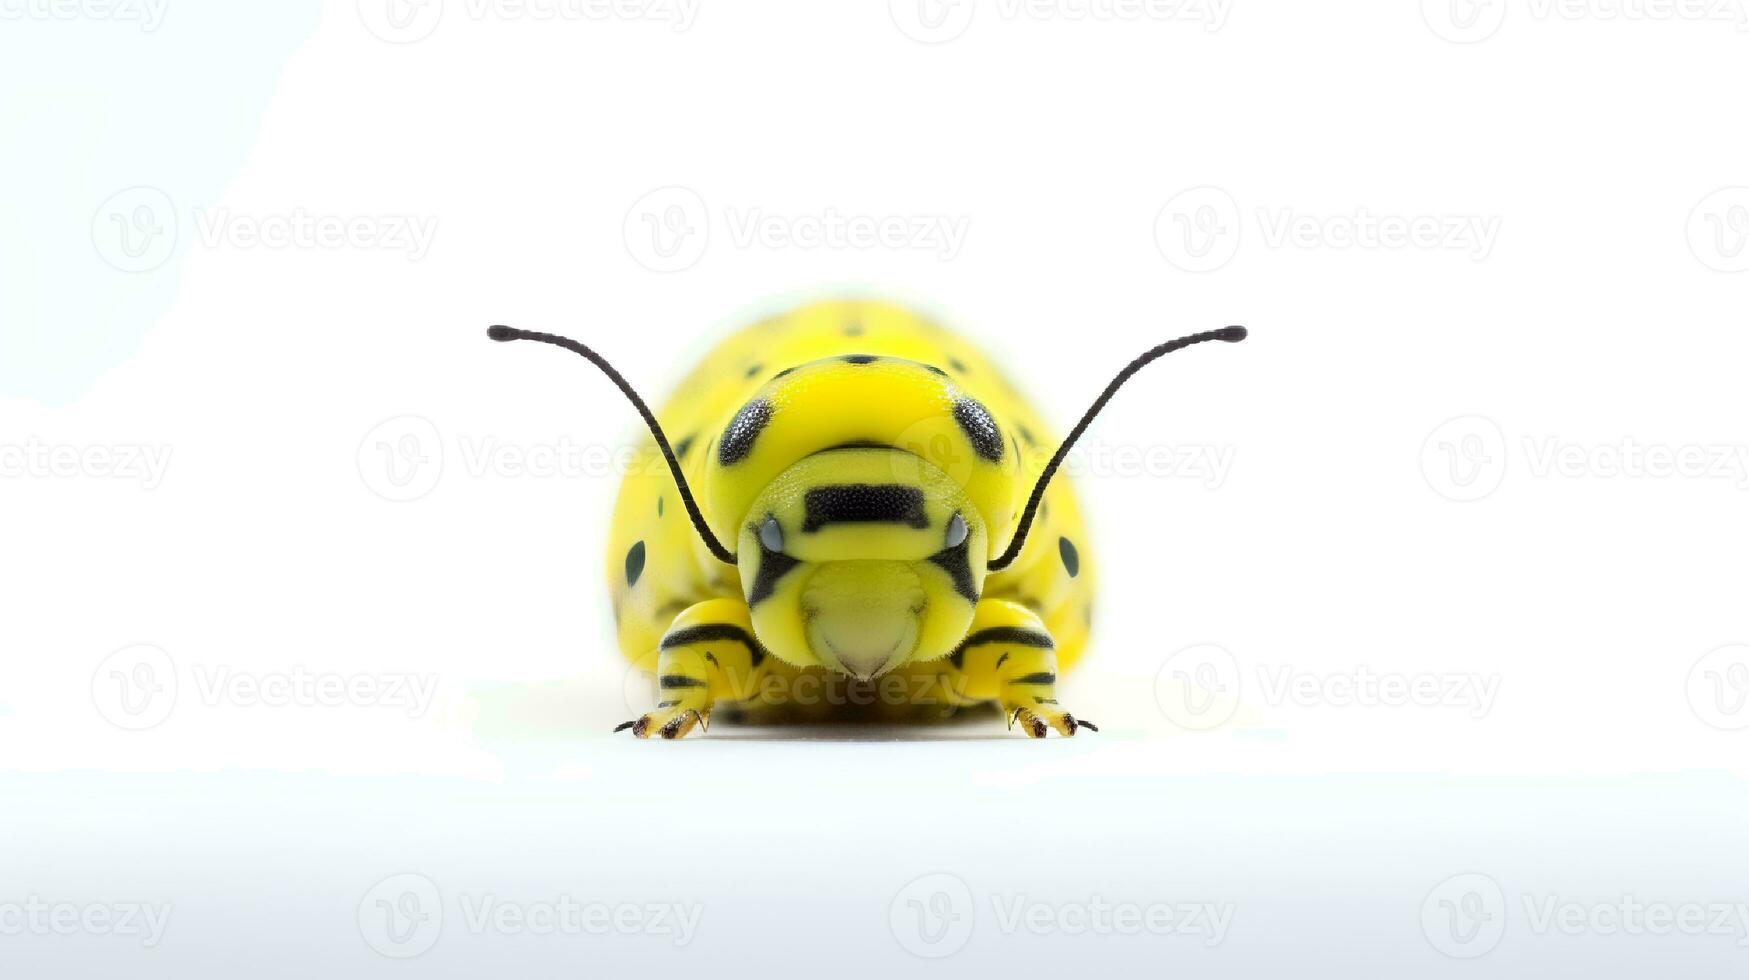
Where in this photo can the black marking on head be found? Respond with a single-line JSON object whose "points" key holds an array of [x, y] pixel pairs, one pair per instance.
{"points": [[932, 369], [863, 503], [707, 632], [658, 505], [1071, 557], [958, 563], [859, 358], [683, 445], [745, 427], [680, 680], [1000, 659], [773, 565], [634, 564], [784, 373], [1041, 677], [753, 371], [1026, 434], [712, 658], [979, 427], [958, 365]]}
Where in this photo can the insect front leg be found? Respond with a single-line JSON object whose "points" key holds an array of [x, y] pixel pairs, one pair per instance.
{"points": [[708, 655], [1009, 657]]}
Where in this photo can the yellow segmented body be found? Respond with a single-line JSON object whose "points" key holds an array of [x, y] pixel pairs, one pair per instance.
{"points": [[656, 565]]}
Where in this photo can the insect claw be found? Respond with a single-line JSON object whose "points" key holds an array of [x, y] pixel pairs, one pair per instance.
{"points": [[622, 726], [1084, 723]]}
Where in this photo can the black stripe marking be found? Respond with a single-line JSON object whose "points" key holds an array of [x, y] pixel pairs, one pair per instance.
{"points": [[859, 358], [1020, 636], [861, 444], [1000, 659], [708, 631], [958, 563], [773, 565], [1041, 677], [932, 369], [863, 503], [680, 680]]}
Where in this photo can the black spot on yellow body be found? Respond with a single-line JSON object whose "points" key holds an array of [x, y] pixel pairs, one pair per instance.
{"points": [[853, 329], [1026, 434], [743, 429], [1071, 557], [958, 365], [784, 373], [753, 371], [859, 358], [634, 563], [658, 506], [932, 369], [975, 421], [683, 445], [773, 565]]}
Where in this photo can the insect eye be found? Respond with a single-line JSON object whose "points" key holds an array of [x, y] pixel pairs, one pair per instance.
{"points": [[956, 531], [770, 535]]}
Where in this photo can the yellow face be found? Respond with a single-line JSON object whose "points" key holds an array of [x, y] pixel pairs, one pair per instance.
{"points": [[861, 559]]}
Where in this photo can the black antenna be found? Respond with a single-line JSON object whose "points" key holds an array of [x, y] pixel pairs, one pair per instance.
{"points": [[501, 332], [1231, 335]]}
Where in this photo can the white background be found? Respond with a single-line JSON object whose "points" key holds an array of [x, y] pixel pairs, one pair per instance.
{"points": [[1487, 442]]}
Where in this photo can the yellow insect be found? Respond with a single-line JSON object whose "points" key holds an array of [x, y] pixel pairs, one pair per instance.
{"points": [[898, 540]]}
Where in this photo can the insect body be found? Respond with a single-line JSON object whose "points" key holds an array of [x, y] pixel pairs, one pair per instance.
{"points": [[850, 493]]}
